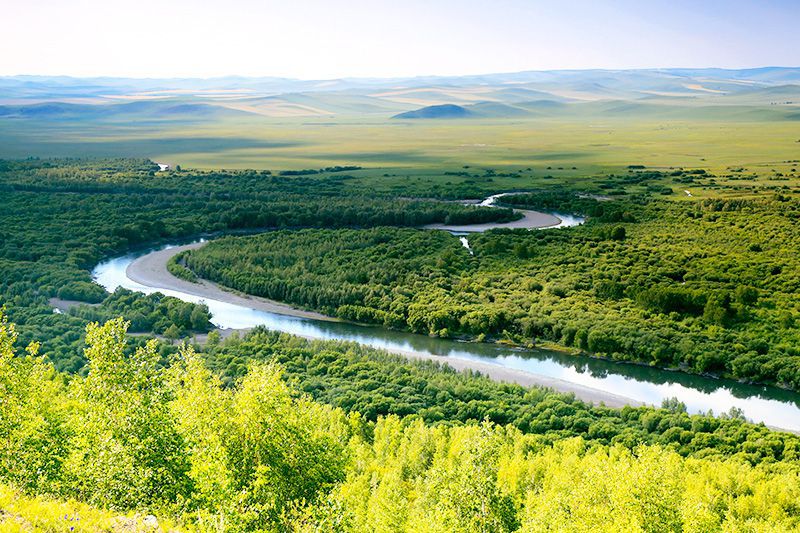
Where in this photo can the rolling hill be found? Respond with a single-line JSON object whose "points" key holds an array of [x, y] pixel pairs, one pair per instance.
{"points": [[437, 111]]}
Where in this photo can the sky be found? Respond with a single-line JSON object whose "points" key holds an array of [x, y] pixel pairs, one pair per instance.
{"points": [[319, 39]]}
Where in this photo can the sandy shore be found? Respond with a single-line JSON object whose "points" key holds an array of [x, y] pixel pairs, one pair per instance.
{"points": [[65, 305], [529, 220], [151, 270]]}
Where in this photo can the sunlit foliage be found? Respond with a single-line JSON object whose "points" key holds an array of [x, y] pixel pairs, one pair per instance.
{"points": [[258, 456]]}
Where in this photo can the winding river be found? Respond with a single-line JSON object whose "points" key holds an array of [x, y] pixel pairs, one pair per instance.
{"points": [[590, 379]]}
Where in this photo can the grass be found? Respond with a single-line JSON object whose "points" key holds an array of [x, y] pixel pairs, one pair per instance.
{"points": [[21, 513], [261, 142], [569, 149]]}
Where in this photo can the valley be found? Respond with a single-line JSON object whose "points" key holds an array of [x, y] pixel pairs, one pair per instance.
{"points": [[509, 302]]}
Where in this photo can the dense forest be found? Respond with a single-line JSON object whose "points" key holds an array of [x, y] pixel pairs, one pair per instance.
{"points": [[258, 455], [374, 384], [60, 217], [269, 432], [709, 286]]}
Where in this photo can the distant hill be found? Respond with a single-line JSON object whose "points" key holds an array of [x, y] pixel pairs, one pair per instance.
{"points": [[509, 88], [653, 93], [143, 109], [48, 110], [497, 110], [437, 111]]}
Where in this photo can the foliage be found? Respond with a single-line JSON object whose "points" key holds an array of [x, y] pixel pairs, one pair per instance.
{"points": [[176, 267], [337, 272], [258, 456], [148, 313], [32, 419], [681, 287], [61, 217], [131, 436], [375, 384], [486, 478], [274, 433], [125, 451]]}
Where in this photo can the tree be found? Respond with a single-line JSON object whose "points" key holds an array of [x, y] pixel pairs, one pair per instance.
{"points": [[200, 406], [173, 332], [199, 318], [33, 431], [745, 295], [126, 451], [213, 338], [715, 311], [673, 405]]}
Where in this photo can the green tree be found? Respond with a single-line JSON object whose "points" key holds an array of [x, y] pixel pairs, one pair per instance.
{"points": [[33, 429], [126, 451], [715, 310], [199, 318], [173, 332], [745, 295], [201, 408], [281, 450]]}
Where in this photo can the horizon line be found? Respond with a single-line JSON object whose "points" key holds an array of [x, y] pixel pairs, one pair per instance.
{"points": [[386, 78]]}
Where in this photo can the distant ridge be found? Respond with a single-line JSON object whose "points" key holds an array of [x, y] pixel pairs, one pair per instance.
{"points": [[664, 93], [143, 109], [437, 111]]}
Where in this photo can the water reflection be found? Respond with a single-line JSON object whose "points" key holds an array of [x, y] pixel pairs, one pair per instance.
{"points": [[770, 405]]}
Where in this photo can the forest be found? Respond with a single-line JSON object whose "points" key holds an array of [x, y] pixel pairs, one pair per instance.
{"points": [[259, 455], [376, 384], [58, 218], [708, 286], [263, 431]]}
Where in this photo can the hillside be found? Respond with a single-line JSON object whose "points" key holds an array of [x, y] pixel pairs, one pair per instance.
{"points": [[400, 267], [436, 111], [672, 288], [262, 456]]}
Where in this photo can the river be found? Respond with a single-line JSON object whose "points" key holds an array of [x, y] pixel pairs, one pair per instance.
{"points": [[773, 406]]}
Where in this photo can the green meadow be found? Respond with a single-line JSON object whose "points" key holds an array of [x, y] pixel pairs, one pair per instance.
{"points": [[562, 149]]}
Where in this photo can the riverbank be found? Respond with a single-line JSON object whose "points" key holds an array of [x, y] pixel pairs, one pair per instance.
{"points": [[529, 220], [151, 271], [494, 372], [591, 379], [527, 379]]}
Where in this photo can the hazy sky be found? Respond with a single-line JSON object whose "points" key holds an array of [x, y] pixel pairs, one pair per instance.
{"points": [[315, 39]]}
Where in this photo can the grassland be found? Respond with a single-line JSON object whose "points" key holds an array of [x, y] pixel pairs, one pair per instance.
{"points": [[567, 149], [573, 126]]}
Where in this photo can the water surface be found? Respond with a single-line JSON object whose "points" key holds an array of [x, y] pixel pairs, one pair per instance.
{"points": [[771, 405]]}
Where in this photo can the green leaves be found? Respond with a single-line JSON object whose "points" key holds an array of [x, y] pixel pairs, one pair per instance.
{"points": [[486, 478], [126, 451], [259, 456], [32, 415]]}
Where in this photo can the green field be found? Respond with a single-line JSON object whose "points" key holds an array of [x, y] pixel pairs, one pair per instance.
{"points": [[593, 147], [579, 125]]}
